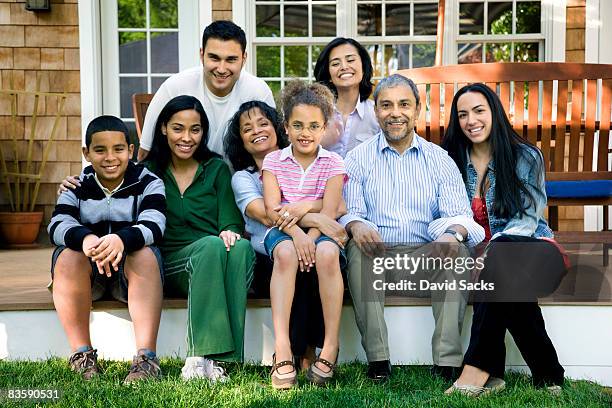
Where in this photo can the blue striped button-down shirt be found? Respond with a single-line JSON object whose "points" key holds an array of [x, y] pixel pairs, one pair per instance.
{"points": [[411, 198]]}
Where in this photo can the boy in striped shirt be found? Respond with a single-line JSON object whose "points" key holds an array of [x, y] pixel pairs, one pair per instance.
{"points": [[104, 231]]}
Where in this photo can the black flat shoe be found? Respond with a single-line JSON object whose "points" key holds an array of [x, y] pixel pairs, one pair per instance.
{"points": [[379, 371], [446, 372]]}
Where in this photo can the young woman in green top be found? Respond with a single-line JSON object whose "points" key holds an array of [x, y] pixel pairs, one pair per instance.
{"points": [[205, 258]]}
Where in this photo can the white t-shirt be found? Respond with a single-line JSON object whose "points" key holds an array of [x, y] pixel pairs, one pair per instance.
{"points": [[218, 110]]}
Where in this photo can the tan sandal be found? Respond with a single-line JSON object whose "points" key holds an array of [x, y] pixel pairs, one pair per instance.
{"points": [[283, 381], [319, 377]]}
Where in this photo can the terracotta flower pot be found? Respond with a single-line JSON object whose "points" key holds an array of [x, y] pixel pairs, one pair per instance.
{"points": [[19, 229]]}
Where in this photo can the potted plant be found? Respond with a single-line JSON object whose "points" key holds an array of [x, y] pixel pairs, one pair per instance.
{"points": [[21, 176]]}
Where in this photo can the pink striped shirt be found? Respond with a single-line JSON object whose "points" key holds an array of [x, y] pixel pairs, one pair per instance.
{"points": [[297, 184]]}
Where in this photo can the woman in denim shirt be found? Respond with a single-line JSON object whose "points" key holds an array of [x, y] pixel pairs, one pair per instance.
{"points": [[504, 177]]}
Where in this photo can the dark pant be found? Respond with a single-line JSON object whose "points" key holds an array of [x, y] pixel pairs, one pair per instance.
{"points": [[525, 323], [306, 325], [523, 319]]}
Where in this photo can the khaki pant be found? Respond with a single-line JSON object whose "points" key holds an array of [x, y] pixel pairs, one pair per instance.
{"points": [[448, 308]]}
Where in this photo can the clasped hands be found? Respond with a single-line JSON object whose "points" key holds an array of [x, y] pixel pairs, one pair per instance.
{"points": [[106, 252]]}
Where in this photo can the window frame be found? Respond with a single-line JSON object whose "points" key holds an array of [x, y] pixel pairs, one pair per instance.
{"points": [[551, 38]]}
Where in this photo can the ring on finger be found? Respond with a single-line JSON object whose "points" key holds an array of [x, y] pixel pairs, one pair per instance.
{"points": [[286, 214]]}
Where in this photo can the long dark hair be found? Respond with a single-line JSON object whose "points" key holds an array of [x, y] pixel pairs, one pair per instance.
{"points": [[506, 149], [159, 156], [321, 70], [233, 144]]}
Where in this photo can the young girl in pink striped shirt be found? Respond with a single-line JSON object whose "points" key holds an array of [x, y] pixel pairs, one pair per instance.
{"points": [[301, 178]]}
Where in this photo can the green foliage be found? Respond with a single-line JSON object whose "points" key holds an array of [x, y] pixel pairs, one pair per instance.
{"points": [[410, 386], [527, 21], [132, 14]]}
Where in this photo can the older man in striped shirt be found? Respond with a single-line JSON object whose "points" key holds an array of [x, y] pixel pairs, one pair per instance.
{"points": [[404, 193]]}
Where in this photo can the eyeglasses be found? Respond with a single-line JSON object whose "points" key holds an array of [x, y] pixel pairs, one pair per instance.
{"points": [[312, 128]]}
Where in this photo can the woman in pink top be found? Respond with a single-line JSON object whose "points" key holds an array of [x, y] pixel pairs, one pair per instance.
{"points": [[292, 178]]}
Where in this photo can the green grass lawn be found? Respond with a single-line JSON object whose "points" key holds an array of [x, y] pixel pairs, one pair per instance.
{"points": [[249, 387]]}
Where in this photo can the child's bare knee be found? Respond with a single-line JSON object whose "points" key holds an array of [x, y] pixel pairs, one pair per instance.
{"points": [[71, 263], [285, 256], [141, 263]]}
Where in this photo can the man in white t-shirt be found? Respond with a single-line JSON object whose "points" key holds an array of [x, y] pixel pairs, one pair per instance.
{"points": [[220, 86]]}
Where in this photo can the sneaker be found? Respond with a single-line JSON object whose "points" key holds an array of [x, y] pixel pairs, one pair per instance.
{"points": [[143, 368], [200, 367], [554, 390], [85, 363]]}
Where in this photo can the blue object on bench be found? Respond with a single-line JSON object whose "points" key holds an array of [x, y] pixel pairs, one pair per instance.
{"points": [[579, 189]]}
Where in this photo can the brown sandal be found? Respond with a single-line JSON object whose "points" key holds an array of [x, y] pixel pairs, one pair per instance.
{"points": [[319, 377], [283, 381]]}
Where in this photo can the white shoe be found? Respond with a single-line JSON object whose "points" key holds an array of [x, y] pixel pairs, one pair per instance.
{"points": [[200, 367], [217, 373]]}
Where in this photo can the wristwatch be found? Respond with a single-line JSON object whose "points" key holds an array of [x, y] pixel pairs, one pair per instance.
{"points": [[458, 236]]}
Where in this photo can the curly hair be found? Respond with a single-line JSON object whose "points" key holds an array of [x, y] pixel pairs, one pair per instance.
{"points": [[300, 93], [233, 144]]}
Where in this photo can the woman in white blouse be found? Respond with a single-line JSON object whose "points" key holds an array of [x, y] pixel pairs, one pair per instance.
{"points": [[345, 67]]}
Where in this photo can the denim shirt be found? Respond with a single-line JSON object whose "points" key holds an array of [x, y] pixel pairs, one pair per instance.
{"points": [[530, 224]]}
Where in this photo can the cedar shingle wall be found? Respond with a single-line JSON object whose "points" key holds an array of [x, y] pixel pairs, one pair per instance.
{"points": [[43, 45], [221, 9]]}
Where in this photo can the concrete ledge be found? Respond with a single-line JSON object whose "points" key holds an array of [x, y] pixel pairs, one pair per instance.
{"points": [[581, 334]]}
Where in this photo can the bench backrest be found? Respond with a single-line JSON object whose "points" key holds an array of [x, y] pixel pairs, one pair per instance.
{"points": [[140, 103], [558, 106]]}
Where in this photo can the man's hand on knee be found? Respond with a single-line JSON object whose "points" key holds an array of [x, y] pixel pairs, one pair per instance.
{"points": [[367, 239]]}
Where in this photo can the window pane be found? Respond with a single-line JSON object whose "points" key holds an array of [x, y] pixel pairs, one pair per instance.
{"points": [[164, 52], [375, 52], [324, 21], [296, 21], [469, 53], [398, 19], [268, 21], [275, 88], [156, 83], [397, 56], [423, 55], [471, 18], [369, 21], [315, 51], [425, 19], [528, 17], [526, 52], [268, 61], [127, 87], [500, 18], [131, 14], [132, 53], [296, 61], [498, 52], [164, 13]]}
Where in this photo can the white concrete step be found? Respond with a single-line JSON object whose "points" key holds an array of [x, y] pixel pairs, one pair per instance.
{"points": [[581, 334]]}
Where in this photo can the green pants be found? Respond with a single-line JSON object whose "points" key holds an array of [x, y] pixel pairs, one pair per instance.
{"points": [[215, 283]]}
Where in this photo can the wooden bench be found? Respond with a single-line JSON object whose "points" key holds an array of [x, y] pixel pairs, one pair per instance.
{"points": [[563, 108]]}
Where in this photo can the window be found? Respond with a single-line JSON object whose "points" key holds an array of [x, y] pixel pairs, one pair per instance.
{"points": [[286, 36], [499, 30], [289, 36], [398, 34], [141, 49]]}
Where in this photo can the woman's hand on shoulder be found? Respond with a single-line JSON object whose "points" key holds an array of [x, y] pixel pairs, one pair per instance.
{"points": [[70, 182], [229, 238]]}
